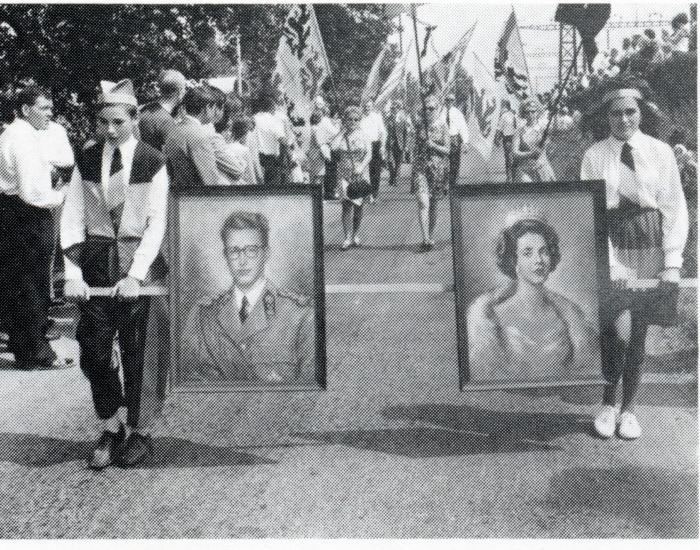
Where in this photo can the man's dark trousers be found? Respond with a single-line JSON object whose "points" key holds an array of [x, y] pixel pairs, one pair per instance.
{"points": [[26, 250]]}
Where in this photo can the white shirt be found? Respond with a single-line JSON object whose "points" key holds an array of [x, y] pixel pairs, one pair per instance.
{"points": [[657, 185], [270, 130], [25, 167], [457, 125], [373, 127], [73, 215], [56, 146], [126, 150], [253, 294], [325, 130]]}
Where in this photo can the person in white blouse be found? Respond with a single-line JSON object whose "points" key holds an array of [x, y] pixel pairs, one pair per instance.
{"points": [[112, 228], [647, 220], [27, 201], [372, 125]]}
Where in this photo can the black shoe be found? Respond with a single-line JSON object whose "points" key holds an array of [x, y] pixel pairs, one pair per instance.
{"points": [[137, 449], [105, 451]]}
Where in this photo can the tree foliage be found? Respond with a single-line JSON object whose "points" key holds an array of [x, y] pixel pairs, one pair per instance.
{"points": [[70, 48]]}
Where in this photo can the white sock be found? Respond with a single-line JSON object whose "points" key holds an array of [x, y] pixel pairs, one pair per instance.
{"points": [[113, 424]]}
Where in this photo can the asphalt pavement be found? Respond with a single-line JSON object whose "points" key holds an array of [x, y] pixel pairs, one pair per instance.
{"points": [[393, 448]]}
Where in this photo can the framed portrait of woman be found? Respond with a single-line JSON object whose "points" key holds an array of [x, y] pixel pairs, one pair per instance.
{"points": [[246, 289], [531, 263]]}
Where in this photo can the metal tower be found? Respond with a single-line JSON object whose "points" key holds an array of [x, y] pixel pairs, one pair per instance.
{"points": [[568, 44]]}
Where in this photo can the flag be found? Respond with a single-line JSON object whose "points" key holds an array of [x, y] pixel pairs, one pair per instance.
{"points": [[301, 64], [441, 74], [485, 109], [396, 79], [589, 20], [381, 69], [510, 66]]}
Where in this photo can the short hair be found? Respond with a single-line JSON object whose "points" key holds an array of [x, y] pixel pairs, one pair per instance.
{"points": [[240, 126], [197, 99], [247, 220], [265, 101], [507, 245], [530, 102], [352, 110], [29, 95], [171, 83], [678, 20]]}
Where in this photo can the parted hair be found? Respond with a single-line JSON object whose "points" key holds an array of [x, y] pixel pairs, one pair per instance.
{"points": [[247, 220], [197, 99], [507, 244]]}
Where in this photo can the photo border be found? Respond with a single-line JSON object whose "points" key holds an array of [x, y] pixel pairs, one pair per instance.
{"points": [[176, 196], [596, 188]]}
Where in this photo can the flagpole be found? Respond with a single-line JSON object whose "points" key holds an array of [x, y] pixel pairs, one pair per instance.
{"points": [[420, 70], [560, 92]]}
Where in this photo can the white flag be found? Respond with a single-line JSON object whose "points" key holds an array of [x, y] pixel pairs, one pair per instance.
{"points": [[301, 62], [485, 109]]}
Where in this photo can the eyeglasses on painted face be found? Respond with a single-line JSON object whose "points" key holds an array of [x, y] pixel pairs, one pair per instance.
{"points": [[252, 252]]}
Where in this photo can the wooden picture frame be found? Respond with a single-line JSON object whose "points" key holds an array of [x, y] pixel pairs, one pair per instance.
{"points": [[281, 346], [499, 346]]}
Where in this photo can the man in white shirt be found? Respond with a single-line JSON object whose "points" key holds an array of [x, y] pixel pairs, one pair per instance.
{"points": [[27, 200], [373, 127], [112, 228], [459, 135], [507, 126], [271, 140]]}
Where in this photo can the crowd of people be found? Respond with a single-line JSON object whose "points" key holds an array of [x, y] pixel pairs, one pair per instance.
{"points": [[103, 205]]}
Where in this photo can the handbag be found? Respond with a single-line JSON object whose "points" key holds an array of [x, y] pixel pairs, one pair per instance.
{"points": [[358, 187]]}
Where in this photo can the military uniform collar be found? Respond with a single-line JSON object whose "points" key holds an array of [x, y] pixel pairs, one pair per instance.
{"points": [[253, 294]]}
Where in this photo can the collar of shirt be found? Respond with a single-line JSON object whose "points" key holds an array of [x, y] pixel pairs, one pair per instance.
{"points": [[636, 142], [253, 294], [127, 152], [24, 125], [209, 129]]}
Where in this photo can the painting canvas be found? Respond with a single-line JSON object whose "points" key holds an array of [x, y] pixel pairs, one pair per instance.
{"points": [[528, 283]]}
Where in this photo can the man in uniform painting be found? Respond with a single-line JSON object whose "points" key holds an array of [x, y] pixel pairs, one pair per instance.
{"points": [[253, 333]]}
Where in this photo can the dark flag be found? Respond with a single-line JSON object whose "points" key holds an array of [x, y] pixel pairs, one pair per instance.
{"points": [[588, 19]]}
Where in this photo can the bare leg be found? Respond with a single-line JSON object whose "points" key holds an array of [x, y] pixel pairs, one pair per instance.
{"points": [[432, 216], [423, 201], [356, 221], [347, 219]]}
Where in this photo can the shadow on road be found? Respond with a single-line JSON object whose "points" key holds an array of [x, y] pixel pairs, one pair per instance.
{"points": [[170, 452], [663, 500], [450, 430]]}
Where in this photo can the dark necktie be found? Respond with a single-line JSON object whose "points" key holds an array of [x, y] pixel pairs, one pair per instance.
{"points": [[626, 157], [243, 313], [448, 118], [116, 165]]}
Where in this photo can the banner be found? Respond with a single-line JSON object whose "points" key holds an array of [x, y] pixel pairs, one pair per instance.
{"points": [[510, 65], [441, 75], [301, 62], [485, 109], [381, 70]]}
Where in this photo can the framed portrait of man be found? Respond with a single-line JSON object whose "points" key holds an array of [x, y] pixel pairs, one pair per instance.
{"points": [[247, 291], [531, 265]]}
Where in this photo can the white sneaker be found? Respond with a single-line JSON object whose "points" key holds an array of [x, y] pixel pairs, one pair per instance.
{"points": [[347, 243], [629, 426], [356, 241], [604, 422]]}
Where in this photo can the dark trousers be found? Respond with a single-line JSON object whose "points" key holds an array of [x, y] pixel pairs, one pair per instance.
{"points": [[397, 158], [330, 180], [375, 167], [100, 319], [508, 154], [272, 169], [26, 250], [455, 159]]}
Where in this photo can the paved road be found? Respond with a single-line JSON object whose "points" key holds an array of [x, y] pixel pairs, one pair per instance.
{"points": [[392, 449]]}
